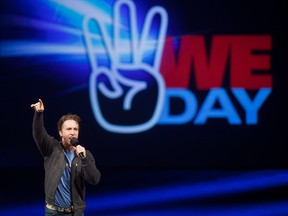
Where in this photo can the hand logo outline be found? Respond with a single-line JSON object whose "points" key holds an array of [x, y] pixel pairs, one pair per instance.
{"points": [[113, 49]]}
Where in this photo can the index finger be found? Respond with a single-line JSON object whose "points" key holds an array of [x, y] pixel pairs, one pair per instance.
{"points": [[41, 103]]}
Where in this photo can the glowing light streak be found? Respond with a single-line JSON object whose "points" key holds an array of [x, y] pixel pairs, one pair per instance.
{"points": [[219, 187], [124, 200], [85, 8], [26, 48]]}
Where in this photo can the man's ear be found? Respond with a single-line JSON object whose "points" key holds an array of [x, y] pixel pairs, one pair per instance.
{"points": [[60, 133]]}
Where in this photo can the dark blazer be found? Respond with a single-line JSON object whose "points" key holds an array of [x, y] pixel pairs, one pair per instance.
{"points": [[54, 164]]}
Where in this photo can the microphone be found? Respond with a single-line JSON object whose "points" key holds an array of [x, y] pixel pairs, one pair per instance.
{"points": [[74, 141]]}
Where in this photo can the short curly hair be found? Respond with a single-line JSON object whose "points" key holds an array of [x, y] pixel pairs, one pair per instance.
{"points": [[66, 117]]}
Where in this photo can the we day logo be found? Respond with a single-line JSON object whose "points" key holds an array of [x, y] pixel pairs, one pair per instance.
{"points": [[136, 72]]}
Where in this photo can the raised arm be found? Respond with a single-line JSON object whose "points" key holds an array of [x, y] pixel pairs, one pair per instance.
{"points": [[39, 106], [40, 135]]}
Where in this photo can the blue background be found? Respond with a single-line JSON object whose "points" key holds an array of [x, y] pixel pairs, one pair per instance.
{"points": [[215, 169]]}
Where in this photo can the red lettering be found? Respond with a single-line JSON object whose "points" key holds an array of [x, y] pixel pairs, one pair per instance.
{"points": [[193, 49], [244, 63], [176, 73], [209, 71]]}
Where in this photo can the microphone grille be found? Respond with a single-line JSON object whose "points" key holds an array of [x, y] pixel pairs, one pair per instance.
{"points": [[74, 141]]}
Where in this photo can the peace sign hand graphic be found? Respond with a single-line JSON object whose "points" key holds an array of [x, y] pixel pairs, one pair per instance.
{"points": [[125, 86]]}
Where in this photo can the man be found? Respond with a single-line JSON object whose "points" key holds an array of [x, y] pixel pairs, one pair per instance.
{"points": [[65, 171]]}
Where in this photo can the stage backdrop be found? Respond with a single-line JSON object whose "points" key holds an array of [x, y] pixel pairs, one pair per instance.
{"points": [[159, 85]]}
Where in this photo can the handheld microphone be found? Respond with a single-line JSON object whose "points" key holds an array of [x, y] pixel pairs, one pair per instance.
{"points": [[74, 141]]}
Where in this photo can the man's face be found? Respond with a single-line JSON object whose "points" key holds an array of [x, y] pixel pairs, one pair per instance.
{"points": [[70, 128]]}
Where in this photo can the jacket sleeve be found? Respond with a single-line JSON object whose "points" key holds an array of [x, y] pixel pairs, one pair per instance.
{"points": [[91, 173], [40, 135]]}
